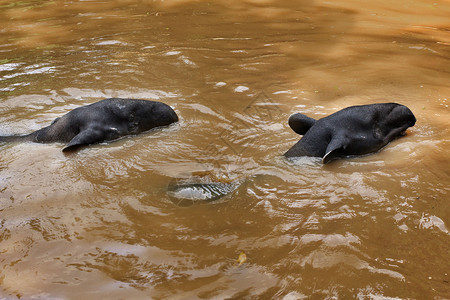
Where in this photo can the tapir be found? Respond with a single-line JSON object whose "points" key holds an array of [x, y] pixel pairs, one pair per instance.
{"points": [[105, 120], [355, 130]]}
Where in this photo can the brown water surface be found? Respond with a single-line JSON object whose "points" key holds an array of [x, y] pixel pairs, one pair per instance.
{"points": [[98, 224]]}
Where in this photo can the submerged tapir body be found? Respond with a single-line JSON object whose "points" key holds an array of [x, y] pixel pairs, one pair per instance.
{"points": [[355, 130], [106, 120]]}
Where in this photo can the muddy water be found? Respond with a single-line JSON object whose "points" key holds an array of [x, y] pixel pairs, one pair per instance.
{"points": [[99, 223]]}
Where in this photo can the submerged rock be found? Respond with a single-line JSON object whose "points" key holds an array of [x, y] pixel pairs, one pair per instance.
{"points": [[188, 192]]}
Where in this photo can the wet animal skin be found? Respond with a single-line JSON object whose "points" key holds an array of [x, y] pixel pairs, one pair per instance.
{"points": [[355, 130], [106, 120]]}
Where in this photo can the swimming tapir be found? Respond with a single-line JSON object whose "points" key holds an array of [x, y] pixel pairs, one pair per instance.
{"points": [[105, 120], [355, 130]]}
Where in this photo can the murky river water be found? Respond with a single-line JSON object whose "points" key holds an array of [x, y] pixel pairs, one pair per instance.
{"points": [[99, 223]]}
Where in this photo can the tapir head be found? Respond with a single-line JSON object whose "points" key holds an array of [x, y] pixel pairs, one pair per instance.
{"points": [[149, 114], [396, 120]]}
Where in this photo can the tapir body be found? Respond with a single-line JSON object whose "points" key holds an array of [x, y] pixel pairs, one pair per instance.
{"points": [[106, 120], [354, 130]]}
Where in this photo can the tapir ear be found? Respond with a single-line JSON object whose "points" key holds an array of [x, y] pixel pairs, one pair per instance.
{"points": [[301, 123], [335, 149], [85, 137]]}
